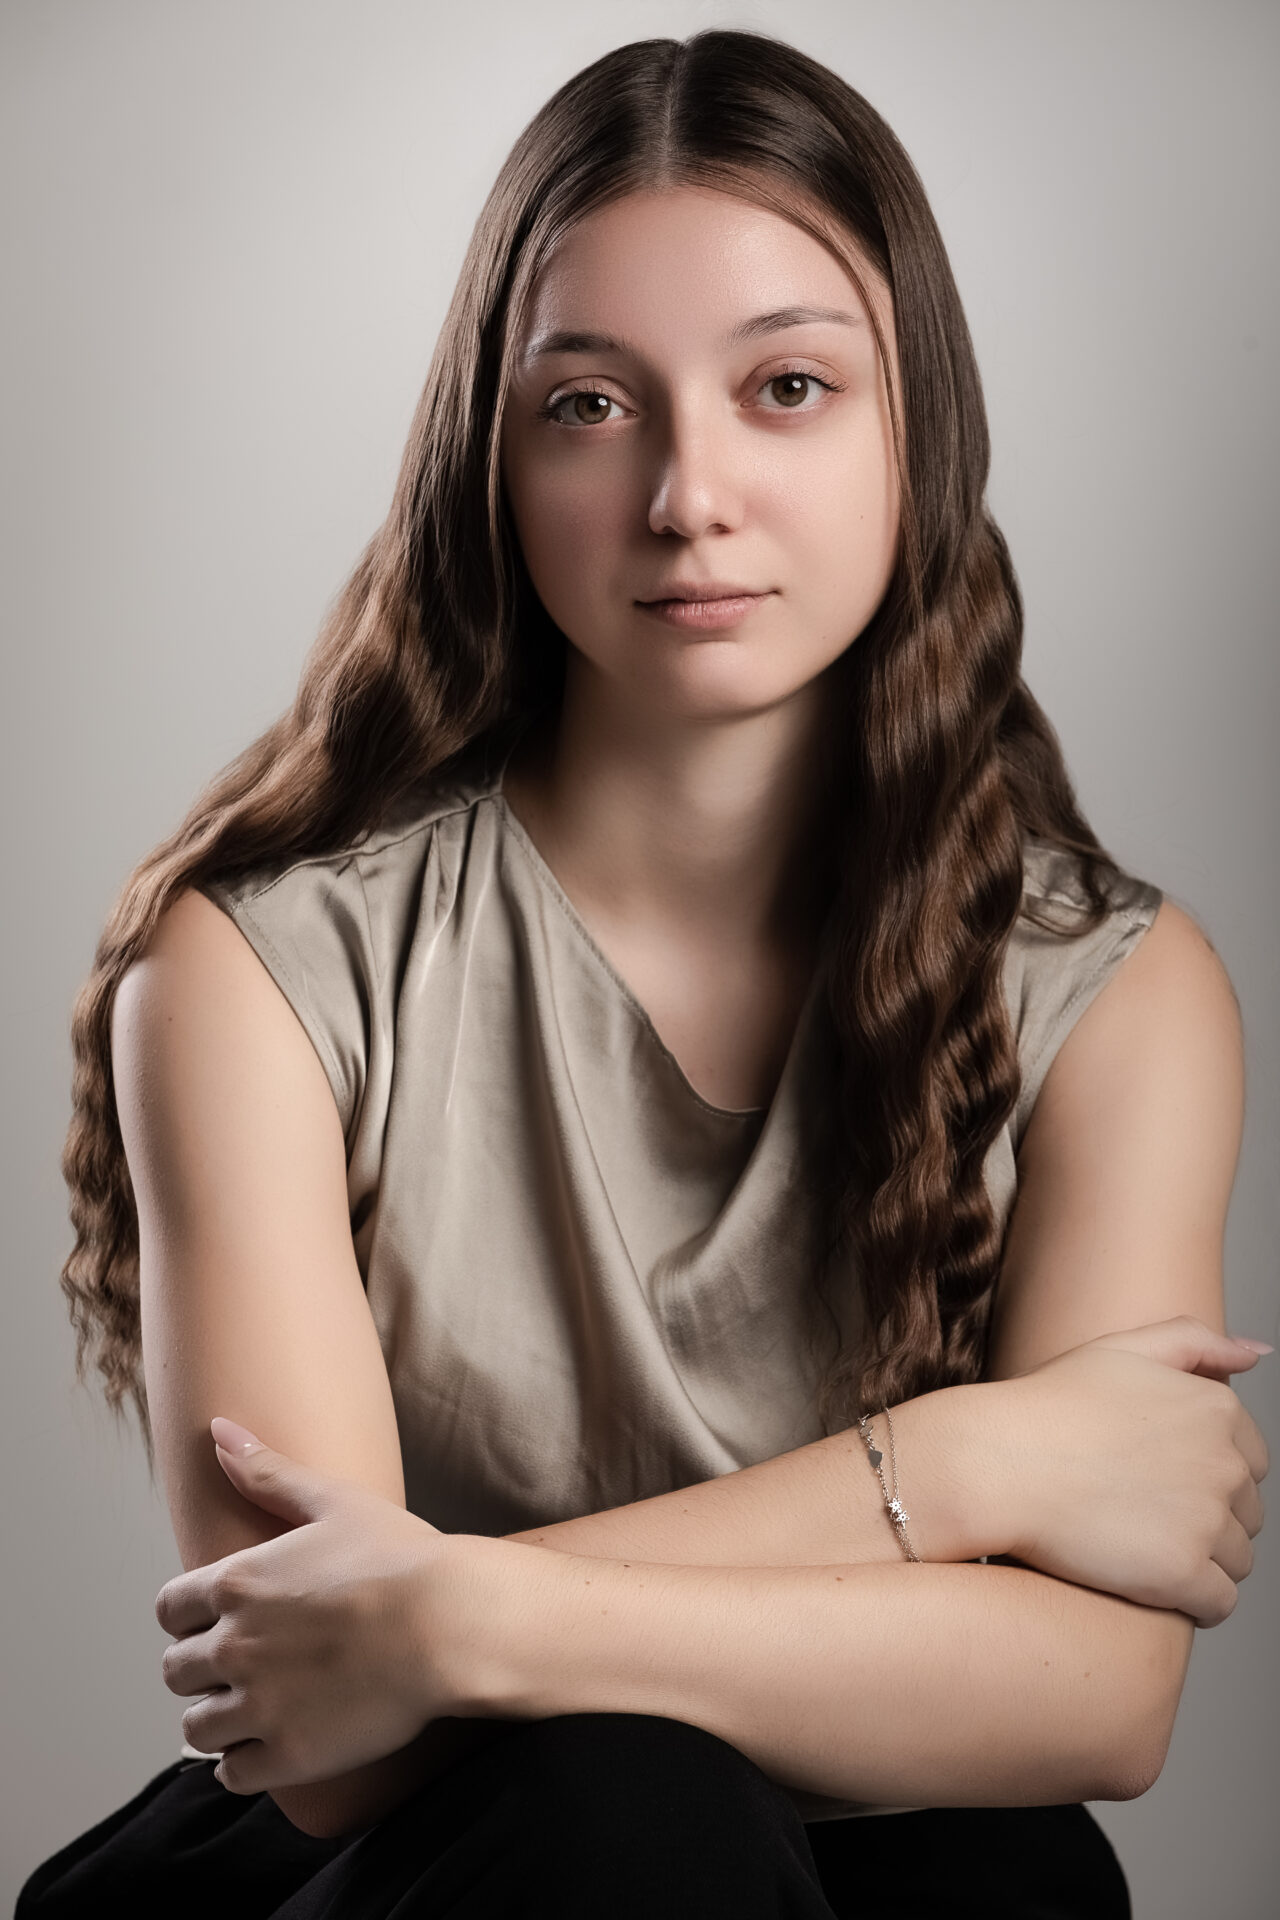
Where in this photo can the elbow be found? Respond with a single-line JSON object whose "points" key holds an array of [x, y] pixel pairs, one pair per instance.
{"points": [[1142, 1744], [1135, 1773], [1145, 1749], [1124, 1767]]}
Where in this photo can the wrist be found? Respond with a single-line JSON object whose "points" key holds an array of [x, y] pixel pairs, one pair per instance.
{"points": [[1009, 1426], [952, 1477], [488, 1591]]}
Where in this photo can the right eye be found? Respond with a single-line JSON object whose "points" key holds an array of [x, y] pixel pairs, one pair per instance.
{"points": [[552, 409]]}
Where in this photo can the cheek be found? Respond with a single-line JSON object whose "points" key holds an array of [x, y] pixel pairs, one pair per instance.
{"points": [[841, 538], [568, 525]]}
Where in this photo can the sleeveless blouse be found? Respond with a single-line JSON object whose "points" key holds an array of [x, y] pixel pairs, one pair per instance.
{"points": [[590, 1284]]}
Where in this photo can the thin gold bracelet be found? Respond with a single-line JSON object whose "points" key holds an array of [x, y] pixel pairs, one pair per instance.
{"points": [[896, 1511]]}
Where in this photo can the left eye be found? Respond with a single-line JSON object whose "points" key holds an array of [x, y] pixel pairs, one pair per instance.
{"points": [[796, 373]]}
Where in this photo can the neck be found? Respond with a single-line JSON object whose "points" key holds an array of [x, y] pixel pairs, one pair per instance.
{"points": [[714, 829]]}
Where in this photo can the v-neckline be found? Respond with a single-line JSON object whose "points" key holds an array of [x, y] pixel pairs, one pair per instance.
{"points": [[587, 939]]}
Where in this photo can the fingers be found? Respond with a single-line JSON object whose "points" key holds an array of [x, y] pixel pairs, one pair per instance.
{"points": [[1248, 1438], [1246, 1505], [1234, 1551], [1215, 1597], [186, 1604], [244, 1768], [1218, 1589], [218, 1722], [1190, 1343], [192, 1666]]}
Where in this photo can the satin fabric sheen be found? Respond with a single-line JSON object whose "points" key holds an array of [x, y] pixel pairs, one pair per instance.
{"points": [[590, 1284]]}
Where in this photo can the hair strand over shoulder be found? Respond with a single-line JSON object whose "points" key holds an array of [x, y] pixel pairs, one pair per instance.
{"points": [[437, 648]]}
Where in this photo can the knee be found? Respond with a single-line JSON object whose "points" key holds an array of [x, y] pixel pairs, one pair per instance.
{"points": [[615, 1769], [658, 1813], [638, 1740]]}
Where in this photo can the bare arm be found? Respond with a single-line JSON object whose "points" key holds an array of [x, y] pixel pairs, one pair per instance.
{"points": [[252, 1301], [896, 1684], [267, 1321], [1125, 1176], [819, 1504]]}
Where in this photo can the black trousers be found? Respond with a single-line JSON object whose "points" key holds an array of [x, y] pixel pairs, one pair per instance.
{"points": [[609, 1815]]}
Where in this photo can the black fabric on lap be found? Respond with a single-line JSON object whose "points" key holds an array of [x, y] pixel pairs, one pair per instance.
{"points": [[579, 1815]]}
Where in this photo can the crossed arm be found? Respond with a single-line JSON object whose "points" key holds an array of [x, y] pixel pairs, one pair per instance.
{"points": [[770, 1605]]}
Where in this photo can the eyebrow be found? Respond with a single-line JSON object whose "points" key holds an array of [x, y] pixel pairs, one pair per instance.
{"points": [[572, 340]]}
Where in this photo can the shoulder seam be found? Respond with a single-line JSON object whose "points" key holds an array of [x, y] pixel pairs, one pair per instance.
{"points": [[1100, 963], [336, 1075], [357, 853]]}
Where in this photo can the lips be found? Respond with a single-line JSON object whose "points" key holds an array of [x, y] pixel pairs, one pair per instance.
{"points": [[713, 590], [705, 616]]}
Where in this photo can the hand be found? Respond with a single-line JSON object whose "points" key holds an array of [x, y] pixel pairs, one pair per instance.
{"points": [[316, 1652], [1138, 1467]]}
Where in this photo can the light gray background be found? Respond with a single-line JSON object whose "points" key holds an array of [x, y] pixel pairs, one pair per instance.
{"points": [[230, 233]]}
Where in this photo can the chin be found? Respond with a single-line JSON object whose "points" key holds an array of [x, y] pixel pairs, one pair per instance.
{"points": [[716, 691]]}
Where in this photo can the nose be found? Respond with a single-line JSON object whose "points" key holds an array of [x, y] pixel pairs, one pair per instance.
{"points": [[699, 483]]}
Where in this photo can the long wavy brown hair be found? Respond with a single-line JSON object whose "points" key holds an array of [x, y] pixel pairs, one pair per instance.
{"points": [[438, 647]]}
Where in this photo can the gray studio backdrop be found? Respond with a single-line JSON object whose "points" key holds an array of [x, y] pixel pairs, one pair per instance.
{"points": [[230, 234]]}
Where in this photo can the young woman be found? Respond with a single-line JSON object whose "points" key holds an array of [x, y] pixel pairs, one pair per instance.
{"points": [[644, 1065]]}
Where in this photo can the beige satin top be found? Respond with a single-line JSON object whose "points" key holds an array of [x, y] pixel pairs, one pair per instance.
{"points": [[590, 1284]]}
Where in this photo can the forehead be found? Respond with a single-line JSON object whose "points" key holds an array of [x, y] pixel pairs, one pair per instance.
{"points": [[684, 266]]}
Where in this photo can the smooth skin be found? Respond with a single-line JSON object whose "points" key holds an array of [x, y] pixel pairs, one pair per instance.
{"points": [[670, 805], [682, 779]]}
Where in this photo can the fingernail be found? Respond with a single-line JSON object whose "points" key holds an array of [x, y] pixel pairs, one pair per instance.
{"points": [[233, 1438], [1255, 1346]]}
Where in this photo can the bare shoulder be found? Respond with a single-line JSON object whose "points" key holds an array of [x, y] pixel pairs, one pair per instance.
{"points": [[198, 1008], [1174, 966], [1166, 1027], [193, 944]]}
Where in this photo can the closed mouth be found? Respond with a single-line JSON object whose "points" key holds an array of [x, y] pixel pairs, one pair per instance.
{"points": [[707, 597]]}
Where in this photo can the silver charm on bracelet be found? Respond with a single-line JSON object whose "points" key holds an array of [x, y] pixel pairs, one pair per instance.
{"points": [[894, 1507]]}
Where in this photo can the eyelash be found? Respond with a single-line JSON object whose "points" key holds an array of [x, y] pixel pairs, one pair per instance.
{"points": [[832, 386]]}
